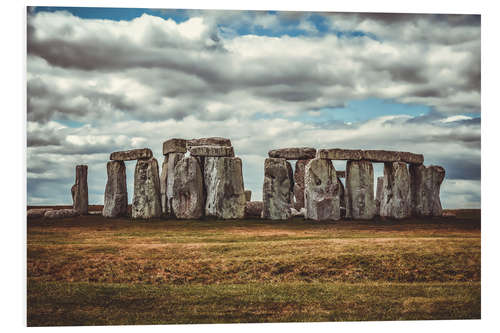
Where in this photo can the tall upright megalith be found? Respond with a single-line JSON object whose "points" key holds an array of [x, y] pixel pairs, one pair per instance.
{"points": [[298, 183], [115, 194], [187, 200], [173, 150], [147, 199], [277, 189], [360, 203], [425, 187], [225, 191], [80, 191], [321, 191], [395, 202], [378, 197]]}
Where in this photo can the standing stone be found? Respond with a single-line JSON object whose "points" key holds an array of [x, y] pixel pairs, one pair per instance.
{"points": [[172, 160], [298, 183], [223, 181], [425, 187], [321, 195], [277, 189], [378, 198], [253, 209], [248, 195], [341, 196], [163, 185], [115, 194], [395, 201], [360, 203], [187, 200], [80, 191], [147, 199]]}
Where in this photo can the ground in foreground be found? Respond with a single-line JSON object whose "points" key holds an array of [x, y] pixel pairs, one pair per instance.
{"points": [[96, 271]]}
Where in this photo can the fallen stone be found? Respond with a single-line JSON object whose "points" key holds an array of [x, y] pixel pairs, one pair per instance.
{"points": [[60, 213], [395, 202], [115, 194], [300, 212], [370, 155], [212, 151], [277, 189], [425, 187], [129, 155], [36, 213], [378, 197], [248, 195], [340, 173], [187, 201], [253, 208], [223, 181], [214, 141], [95, 212], [449, 213], [173, 159], [147, 199], [303, 153], [321, 194], [360, 203], [80, 191], [174, 146], [298, 183]]}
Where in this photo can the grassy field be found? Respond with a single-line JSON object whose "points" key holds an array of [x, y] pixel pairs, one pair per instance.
{"points": [[96, 271]]}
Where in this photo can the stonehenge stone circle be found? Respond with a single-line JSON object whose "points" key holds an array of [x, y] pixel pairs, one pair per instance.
{"points": [[173, 159], [298, 183], [424, 189], [129, 155], [248, 195], [187, 201], [174, 146], [304, 153], [147, 200], [395, 202], [225, 193], [80, 191], [212, 151], [360, 203], [277, 189], [253, 208], [321, 194], [115, 194], [378, 197], [370, 155], [213, 141]]}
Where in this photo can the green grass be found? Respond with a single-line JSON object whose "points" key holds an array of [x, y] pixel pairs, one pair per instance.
{"points": [[95, 271]]}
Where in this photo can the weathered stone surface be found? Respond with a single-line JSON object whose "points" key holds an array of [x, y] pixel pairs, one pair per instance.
{"points": [[425, 187], [172, 160], [253, 208], [395, 201], [80, 191], [36, 213], [129, 155], [342, 198], [321, 195], [214, 141], [212, 151], [302, 153], [277, 189], [248, 195], [163, 185], [174, 146], [187, 200], [224, 188], [340, 154], [60, 213], [147, 199], [298, 183], [370, 155], [300, 212], [378, 197], [360, 203], [115, 194], [340, 173]]}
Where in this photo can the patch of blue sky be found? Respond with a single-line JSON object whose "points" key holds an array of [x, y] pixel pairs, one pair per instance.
{"points": [[70, 123]]}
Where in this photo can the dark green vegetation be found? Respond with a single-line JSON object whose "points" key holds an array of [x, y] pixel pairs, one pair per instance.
{"points": [[96, 271]]}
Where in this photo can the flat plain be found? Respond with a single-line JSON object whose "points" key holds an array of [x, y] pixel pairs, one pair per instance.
{"points": [[96, 271]]}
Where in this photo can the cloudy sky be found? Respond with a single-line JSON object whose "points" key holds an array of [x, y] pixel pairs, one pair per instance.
{"points": [[101, 80]]}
